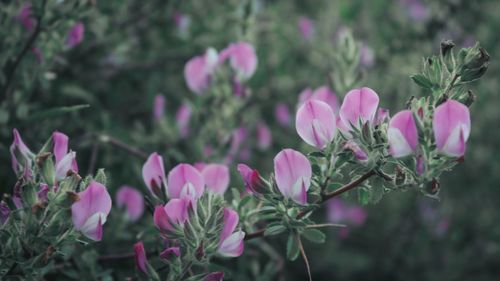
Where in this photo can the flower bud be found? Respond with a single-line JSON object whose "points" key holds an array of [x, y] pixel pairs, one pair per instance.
{"points": [[21, 155], [153, 173], [254, 183], [168, 253], [141, 260], [75, 35], [231, 243], [358, 152], [475, 63]]}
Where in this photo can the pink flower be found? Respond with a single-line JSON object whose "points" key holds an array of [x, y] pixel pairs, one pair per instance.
{"points": [[182, 117], [416, 10], [264, 137], [65, 161], [367, 56], [231, 243], [132, 200], [185, 182], [242, 58], [141, 260], [153, 173], [168, 252], [214, 276], [75, 35], [340, 212], [282, 114], [182, 22], [451, 125], [198, 71], [323, 94], [315, 123], [358, 152], [382, 116], [402, 134], [216, 177], [306, 27], [359, 104], [89, 213], [305, 95], [252, 179], [25, 17], [159, 107], [21, 155], [293, 175], [173, 214]]}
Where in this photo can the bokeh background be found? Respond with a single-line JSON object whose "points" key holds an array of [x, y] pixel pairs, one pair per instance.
{"points": [[134, 50]]}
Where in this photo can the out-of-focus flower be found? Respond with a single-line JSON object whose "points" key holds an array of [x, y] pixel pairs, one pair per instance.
{"points": [[25, 17], [89, 213], [238, 137], [75, 35], [42, 192], [315, 123], [358, 152], [132, 200], [340, 212], [402, 134], [65, 161], [141, 260], [173, 214], [159, 107], [282, 114], [198, 71], [264, 137], [242, 58], [182, 22], [153, 173], [437, 222], [231, 243], [451, 124], [415, 9], [252, 179], [19, 149], [359, 104], [367, 56], [214, 276], [4, 213], [182, 117], [185, 182], [306, 27], [216, 177], [324, 94], [293, 175]]}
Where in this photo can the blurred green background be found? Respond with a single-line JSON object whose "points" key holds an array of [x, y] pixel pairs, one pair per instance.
{"points": [[133, 50]]}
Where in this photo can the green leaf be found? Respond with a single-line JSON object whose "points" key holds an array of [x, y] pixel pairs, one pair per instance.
{"points": [[317, 154], [314, 235], [101, 177], [316, 169], [244, 201], [55, 112], [292, 247], [363, 196], [422, 81], [274, 229]]}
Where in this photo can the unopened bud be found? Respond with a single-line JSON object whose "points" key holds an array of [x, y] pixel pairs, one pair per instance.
{"points": [[446, 46], [433, 186], [470, 98]]}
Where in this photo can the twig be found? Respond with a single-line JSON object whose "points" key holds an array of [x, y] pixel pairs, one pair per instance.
{"points": [[255, 234], [303, 252], [120, 144]]}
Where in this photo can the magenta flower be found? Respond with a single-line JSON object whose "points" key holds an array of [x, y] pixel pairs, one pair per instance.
{"points": [[132, 200], [75, 35], [340, 212], [214, 276], [242, 58], [264, 137], [252, 179], [323, 94], [304, 96], [293, 175], [358, 152], [382, 116], [43, 192], [153, 173], [198, 71], [21, 155], [65, 161], [315, 123], [159, 107], [141, 260], [182, 117], [306, 27], [231, 243], [173, 214], [367, 56], [169, 252], [415, 9], [282, 114], [451, 125], [89, 213], [402, 134], [185, 182], [216, 177], [25, 17], [359, 104]]}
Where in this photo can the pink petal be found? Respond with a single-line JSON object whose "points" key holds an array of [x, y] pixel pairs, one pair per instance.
{"points": [[161, 220], [24, 151], [251, 177], [140, 257], [60, 145], [182, 117], [382, 116], [75, 35], [65, 165], [214, 276], [290, 166], [402, 134], [359, 103], [326, 95], [131, 199], [306, 27], [233, 245], [358, 152], [451, 124], [153, 173], [315, 123], [243, 59], [177, 211], [198, 71], [304, 96], [181, 178], [282, 114], [231, 220], [159, 107], [264, 137], [216, 177], [167, 253]]}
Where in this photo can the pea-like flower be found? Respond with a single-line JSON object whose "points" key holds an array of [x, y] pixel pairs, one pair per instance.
{"points": [[253, 181], [216, 177], [185, 182], [264, 136], [173, 214], [359, 104], [324, 94], [89, 213], [159, 107], [315, 123], [153, 173], [21, 155], [451, 126], [132, 200], [65, 160], [231, 242], [199, 70], [242, 58], [75, 35], [141, 260], [293, 175], [402, 134]]}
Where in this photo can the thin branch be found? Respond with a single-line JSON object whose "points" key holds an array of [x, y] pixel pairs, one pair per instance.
{"points": [[256, 234], [120, 144], [303, 253]]}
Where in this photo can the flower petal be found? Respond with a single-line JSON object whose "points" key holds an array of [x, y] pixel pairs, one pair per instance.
{"points": [[359, 104], [179, 179], [315, 123], [289, 167], [216, 177], [447, 118]]}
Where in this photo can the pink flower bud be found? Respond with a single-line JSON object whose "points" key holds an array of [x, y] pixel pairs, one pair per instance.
{"points": [[90, 212], [402, 134], [169, 252], [306, 27], [293, 175], [141, 260], [382, 116], [231, 243], [182, 117], [216, 177], [153, 173], [242, 58], [282, 114], [252, 179], [65, 161], [42, 193], [315, 123], [358, 152], [75, 35], [451, 124], [19, 149], [132, 200], [359, 104], [198, 71], [159, 107], [185, 182], [214, 276], [264, 137], [174, 213]]}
